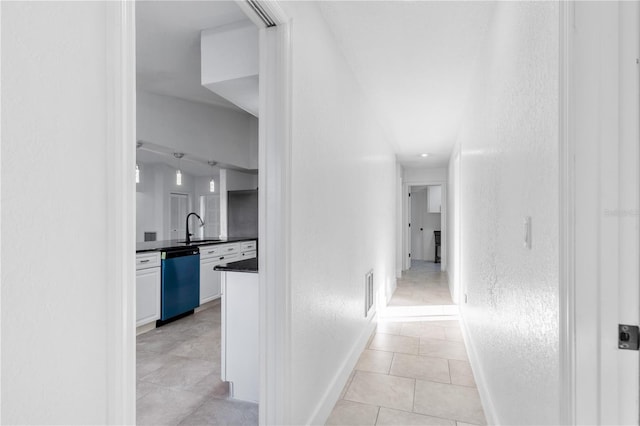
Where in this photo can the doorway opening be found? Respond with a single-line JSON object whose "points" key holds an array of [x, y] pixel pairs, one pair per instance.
{"points": [[425, 225], [274, 160], [195, 104], [424, 216]]}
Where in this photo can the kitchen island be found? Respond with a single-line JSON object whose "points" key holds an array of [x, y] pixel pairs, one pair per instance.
{"points": [[240, 316]]}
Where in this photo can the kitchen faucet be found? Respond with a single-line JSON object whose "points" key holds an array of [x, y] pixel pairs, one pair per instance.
{"points": [[187, 238]]}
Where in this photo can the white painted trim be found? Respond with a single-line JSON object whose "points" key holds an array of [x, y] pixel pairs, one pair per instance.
{"points": [[1, 399], [406, 238], [566, 163], [274, 216], [121, 211], [274, 220], [328, 401], [490, 412]]}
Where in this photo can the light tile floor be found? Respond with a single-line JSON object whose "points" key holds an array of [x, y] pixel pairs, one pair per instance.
{"points": [[415, 369], [178, 375]]}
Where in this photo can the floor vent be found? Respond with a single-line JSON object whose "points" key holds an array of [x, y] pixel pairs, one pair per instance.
{"points": [[368, 294]]}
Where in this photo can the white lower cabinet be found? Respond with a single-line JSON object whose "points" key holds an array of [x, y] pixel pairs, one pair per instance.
{"points": [[147, 288], [210, 257], [209, 280]]}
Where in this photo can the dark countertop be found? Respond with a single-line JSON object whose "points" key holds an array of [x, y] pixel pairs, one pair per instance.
{"points": [[196, 242], [249, 265]]}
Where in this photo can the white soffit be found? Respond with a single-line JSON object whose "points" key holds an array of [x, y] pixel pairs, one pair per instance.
{"points": [[230, 64], [168, 46], [415, 62]]}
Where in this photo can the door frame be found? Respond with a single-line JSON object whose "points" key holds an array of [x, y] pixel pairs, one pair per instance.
{"points": [[598, 381], [274, 212], [406, 216], [566, 169]]}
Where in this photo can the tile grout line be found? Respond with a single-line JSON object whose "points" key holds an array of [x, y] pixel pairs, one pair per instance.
{"points": [[413, 406], [444, 329], [377, 415]]}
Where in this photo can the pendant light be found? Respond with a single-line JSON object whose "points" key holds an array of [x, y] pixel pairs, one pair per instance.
{"points": [[212, 183], [179, 156], [138, 145]]}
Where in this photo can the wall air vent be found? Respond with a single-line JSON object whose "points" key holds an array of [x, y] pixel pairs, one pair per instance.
{"points": [[369, 293]]}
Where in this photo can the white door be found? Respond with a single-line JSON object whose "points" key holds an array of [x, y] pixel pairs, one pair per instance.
{"points": [[178, 214], [604, 111], [210, 213], [418, 207]]}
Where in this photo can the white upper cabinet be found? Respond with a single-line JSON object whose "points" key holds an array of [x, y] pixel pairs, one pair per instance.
{"points": [[434, 199]]}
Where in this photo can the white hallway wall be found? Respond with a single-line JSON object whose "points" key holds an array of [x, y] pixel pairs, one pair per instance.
{"points": [[343, 214], [54, 218], [453, 218], [421, 175], [509, 170]]}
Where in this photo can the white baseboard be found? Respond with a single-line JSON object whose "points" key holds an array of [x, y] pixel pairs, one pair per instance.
{"points": [[331, 396], [208, 304], [145, 328], [485, 396]]}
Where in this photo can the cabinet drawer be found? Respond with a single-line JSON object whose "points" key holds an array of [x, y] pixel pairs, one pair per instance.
{"points": [[209, 251], [248, 255], [248, 246], [227, 258], [227, 249], [147, 260]]}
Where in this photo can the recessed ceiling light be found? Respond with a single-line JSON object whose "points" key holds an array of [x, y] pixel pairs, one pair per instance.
{"points": [[424, 155]]}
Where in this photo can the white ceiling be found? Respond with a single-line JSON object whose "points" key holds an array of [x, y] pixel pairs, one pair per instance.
{"points": [[415, 61], [168, 46]]}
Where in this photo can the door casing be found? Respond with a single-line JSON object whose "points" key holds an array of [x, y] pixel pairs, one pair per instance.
{"points": [[274, 205]]}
